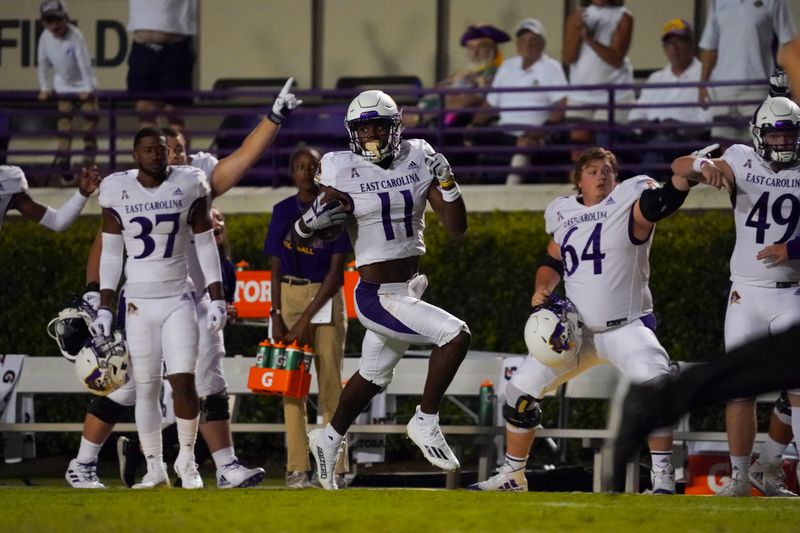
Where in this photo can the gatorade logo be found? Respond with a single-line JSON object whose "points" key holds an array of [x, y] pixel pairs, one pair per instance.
{"points": [[266, 379], [253, 291]]}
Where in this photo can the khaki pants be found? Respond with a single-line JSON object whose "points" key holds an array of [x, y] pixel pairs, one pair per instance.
{"points": [[66, 110], [328, 342]]}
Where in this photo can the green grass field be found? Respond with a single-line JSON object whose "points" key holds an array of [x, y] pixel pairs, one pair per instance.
{"points": [[376, 510]]}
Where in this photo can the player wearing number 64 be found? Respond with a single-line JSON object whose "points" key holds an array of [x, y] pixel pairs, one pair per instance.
{"points": [[600, 243], [383, 184], [764, 183]]}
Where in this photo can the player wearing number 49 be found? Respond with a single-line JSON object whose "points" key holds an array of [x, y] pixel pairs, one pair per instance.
{"points": [[383, 185], [764, 183], [600, 244]]}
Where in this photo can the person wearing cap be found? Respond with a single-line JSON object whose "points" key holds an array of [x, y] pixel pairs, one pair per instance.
{"points": [[677, 39], [483, 57], [531, 68], [162, 56], [65, 70], [737, 44], [597, 38]]}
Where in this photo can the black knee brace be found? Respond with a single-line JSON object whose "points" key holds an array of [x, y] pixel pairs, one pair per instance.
{"points": [[106, 410], [526, 413], [782, 405], [215, 407]]}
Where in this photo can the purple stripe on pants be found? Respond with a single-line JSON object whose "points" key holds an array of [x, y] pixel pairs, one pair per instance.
{"points": [[369, 304]]}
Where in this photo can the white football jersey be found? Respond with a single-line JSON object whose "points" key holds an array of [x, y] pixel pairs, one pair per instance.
{"points": [[766, 210], [12, 181], [606, 270], [205, 162], [389, 205], [155, 226]]}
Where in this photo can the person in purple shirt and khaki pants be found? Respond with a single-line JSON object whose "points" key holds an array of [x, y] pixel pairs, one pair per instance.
{"points": [[305, 278]]}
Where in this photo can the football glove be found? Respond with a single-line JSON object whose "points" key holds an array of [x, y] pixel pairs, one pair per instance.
{"points": [[779, 84], [705, 152], [92, 299], [284, 103], [322, 215], [101, 326], [216, 316], [438, 166]]}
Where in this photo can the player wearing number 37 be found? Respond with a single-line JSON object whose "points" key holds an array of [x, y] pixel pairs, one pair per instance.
{"points": [[150, 212], [764, 182], [382, 186], [600, 242]]}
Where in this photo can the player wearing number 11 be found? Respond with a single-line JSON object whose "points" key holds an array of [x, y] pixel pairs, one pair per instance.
{"points": [[764, 182], [383, 185]]}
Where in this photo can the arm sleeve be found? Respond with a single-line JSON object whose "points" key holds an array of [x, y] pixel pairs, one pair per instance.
{"points": [[63, 217], [111, 261], [208, 256]]}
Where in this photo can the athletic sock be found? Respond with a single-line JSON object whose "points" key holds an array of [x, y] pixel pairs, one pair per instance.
{"points": [[661, 460], [426, 419], [740, 463], [516, 463], [151, 443], [187, 436], [772, 452], [223, 457], [88, 451]]}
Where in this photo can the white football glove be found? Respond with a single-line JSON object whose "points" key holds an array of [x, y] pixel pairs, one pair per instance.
{"points": [[101, 326], [92, 298], [216, 316], [284, 103], [440, 168], [320, 216], [779, 84], [705, 152]]}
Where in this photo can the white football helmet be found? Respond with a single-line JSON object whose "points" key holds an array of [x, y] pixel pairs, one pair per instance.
{"points": [[102, 364], [70, 329], [777, 115], [554, 332], [372, 106]]}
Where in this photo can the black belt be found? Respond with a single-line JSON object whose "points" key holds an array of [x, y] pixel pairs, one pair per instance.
{"points": [[291, 280], [786, 284]]}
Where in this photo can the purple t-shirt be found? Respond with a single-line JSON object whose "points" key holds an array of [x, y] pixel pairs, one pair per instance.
{"points": [[311, 261]]}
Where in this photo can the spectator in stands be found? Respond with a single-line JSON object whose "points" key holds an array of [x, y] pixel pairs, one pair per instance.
{"points": [[677, 39], [531, 68], [596, 42], [737, 44], [480, 42], [306, 277], [162, 55], [63, 54]]}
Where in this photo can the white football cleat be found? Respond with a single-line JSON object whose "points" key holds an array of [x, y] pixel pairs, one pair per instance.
{"points": [[83, 475], [430, 440], [298, 480], [187, 473], [235, 475], [770, 479], [155, 477], [663, 480], [325, 457], [738, 485], [506, 479]]}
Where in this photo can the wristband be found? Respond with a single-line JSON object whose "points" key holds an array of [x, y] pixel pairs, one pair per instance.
{"points": [[92, 286], [793, 248], [300, 232], [452, 194], [698, 163]]}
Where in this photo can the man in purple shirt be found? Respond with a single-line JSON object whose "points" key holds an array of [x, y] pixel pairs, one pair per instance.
{"points": [[305, 278]]}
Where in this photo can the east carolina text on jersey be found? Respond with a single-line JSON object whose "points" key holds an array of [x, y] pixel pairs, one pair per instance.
{"points": [[606, 269], [389, 205], [155, 227]]}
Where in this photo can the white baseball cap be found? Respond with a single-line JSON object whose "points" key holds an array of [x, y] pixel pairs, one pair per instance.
{"points": [[532, 25]]}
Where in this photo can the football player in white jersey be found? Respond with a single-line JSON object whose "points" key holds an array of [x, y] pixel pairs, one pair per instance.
{"points": [[764, 298], [385, 184], [14, 195], [104, 412], [150, 212], [600, 244]]}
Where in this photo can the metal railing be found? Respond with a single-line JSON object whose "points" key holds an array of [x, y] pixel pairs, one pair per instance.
{"points": [[219, 120]]}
